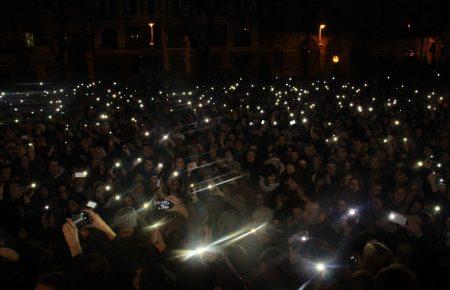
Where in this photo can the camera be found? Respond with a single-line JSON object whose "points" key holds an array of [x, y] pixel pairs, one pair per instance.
{"points": [[163, 204]]}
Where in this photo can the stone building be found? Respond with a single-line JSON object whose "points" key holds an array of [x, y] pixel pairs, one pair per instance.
{"points": [[64, 40]]}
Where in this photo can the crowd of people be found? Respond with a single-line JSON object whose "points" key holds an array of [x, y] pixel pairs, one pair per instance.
{"points": [[328, 184]]}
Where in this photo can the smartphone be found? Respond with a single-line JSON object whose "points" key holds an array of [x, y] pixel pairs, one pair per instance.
{"points": [[163, 204], [81, 174], [158, 183], [81, 219], [397, 218], [91, 204], [192, 166], [353, 261]]}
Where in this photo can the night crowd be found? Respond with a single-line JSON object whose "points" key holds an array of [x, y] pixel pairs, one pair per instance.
{"points": [[327, 184]]}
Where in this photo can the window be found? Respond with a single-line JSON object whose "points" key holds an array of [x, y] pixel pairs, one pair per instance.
{"points": [[220, 35], [242, 37], [136, 37], [278, 57], [333, 52], [109, 38], [29, 39], [176, 36], [131, 7], [151, 6], [309, 53], [174, 6], [112, 6]]}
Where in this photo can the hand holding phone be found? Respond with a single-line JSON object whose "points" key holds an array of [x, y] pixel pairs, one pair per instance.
{"points": [[162, 204], [397, 218], [81, 174], [81, 219]]}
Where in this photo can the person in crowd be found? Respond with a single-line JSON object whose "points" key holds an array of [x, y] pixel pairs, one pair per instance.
{"points": [[232, 185]]}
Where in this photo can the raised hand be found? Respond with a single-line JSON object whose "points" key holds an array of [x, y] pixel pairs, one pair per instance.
{"points": [[157, 240], [98, 223], [178, 206], [70, 232]]}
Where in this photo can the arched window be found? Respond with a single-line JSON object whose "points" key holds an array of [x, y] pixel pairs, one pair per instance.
{"points": [[277, 58], [309, 53], [334, 52], [109, 38], [176, 36]]}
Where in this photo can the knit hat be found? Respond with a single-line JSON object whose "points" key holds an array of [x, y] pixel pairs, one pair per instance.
{"points": [[125, 218]]}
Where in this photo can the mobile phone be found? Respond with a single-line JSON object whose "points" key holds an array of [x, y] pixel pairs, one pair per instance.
{"points": [[163, 204], [81, 219], [81, 174], [302, 236], [397, 218], [192, 165], [91, 204], [46, 211], [353, 261], [158, 183]]}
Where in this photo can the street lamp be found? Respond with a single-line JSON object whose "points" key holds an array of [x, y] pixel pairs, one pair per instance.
{"points": [[151, 24], [321, 26]]}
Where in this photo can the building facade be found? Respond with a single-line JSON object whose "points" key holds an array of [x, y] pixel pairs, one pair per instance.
{"points": [[80, 39]]}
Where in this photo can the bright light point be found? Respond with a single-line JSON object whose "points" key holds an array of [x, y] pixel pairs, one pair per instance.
{"points": [[108, 187], [199, 251], [165, 137], [147, 133], [206, 120], [117, 197], [320, 267], [352, 211], [292, 122], [391, 216], [405, 139], [160, 165], [420, 163], [439, 165], [192, 185], [33, 185], [146, 205], [437, 208], [304, 238], [139, 159], [47, 207], [175, 174], [397, 122], [117, 164]]}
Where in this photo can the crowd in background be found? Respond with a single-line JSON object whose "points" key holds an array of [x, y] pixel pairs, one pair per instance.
{"points": [[280, 185]]}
